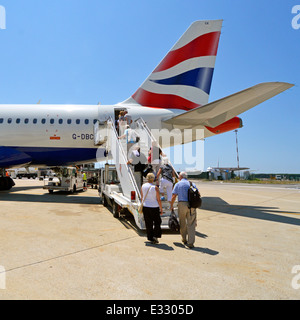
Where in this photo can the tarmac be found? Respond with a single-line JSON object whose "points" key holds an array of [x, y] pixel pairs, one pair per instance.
{"points": [[68, 246]]}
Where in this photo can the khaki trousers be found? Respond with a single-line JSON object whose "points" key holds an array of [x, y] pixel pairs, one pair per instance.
{"points": [[187, 221]]}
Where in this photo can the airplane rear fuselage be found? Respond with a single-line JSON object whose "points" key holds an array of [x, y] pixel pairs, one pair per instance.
{"points": [[60, 134]]}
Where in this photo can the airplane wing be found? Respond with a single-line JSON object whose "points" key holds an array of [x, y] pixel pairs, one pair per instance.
{"points": [[12, 157], [215, 113]]}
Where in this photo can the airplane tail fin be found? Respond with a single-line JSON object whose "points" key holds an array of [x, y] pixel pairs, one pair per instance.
{"points": [[183, 78]]}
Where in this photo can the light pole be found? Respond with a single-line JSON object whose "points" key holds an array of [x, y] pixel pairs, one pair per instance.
{"points": [[237, 149]]}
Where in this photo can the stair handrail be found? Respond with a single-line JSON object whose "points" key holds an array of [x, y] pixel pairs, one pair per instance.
{"points": [[153, 139], [133, 181]]}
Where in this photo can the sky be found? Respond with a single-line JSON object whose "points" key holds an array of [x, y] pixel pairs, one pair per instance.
{"points": [[85, 52]]}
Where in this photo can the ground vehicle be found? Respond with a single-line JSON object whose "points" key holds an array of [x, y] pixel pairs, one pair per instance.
{"points": [[110, 190], [111, 194], [30, 173], [27, 175], [118, 187], [66, 179]]}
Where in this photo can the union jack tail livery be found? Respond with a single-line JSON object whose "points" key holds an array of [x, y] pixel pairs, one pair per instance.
{"points": [[183, 78]]}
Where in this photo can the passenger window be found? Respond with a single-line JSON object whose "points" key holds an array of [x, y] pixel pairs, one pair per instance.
{"points": [[34, 121], [86, 121], [95, 120], [77, 121], [51, 121], [69, 121], [43, 121], [60, 121], [26, 120], [1, 120], [9, 120], [18, 120]]}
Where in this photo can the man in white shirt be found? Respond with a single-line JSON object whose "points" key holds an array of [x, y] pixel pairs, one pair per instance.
{"points": [[131, 136], [138, 160]]}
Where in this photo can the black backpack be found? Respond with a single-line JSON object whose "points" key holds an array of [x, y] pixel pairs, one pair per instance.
{"points": [[194, 197]]}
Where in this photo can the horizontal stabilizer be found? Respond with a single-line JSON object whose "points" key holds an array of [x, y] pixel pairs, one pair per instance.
{"points": [[220, 111]]}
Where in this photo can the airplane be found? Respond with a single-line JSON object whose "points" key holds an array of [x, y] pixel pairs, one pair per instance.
{"points": [[227, 169], [174, 96], [222, 172]]}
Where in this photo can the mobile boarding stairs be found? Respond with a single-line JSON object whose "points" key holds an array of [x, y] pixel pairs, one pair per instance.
{"points": [[118, 186]]}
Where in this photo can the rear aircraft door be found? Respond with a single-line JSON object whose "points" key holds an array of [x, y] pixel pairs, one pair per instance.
{"points": [[100, 126], [117, 112], [100, 132], [119, 126]]}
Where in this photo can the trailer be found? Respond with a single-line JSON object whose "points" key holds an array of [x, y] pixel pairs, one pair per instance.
{"points": [[30, 173], [110, 191], [67, 179]]}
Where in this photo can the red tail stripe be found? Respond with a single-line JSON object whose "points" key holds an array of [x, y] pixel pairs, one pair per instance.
{"points": [[157, 100], [205, 45]]}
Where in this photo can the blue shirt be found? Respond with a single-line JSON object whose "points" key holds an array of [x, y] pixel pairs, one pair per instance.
{"points": [[181, 189], [131, 135]]}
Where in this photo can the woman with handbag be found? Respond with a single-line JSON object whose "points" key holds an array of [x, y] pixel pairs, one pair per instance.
{"points": [[152, 209]]}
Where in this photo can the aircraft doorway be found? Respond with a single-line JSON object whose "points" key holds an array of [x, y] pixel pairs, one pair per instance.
{"points": [[119, 120]]}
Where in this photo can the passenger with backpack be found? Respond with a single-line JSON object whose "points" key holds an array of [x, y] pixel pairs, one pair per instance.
{"points": [[186, 208], [166, 182]]}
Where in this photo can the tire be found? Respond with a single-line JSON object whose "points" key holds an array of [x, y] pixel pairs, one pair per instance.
{"points": [[6, 183], [104, 201], [115, 210], [9, 183], [3, 184]]}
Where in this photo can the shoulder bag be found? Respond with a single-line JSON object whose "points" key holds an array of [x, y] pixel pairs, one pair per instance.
{"points": [[140, 209]]}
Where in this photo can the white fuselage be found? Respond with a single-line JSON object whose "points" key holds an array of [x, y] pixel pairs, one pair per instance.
{"points": [[60, 134]]}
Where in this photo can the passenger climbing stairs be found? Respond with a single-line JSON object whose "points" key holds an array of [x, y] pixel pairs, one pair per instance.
{"points": [[125, 193]]}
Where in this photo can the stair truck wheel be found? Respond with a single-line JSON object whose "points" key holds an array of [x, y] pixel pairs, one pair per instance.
{"points": [[104, 201], [115, 210]]}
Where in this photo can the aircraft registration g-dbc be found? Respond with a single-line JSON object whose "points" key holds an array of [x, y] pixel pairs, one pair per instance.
{"points": [[175, 95]]}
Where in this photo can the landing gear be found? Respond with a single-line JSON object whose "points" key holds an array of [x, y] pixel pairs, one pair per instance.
{"points": [[6, 183]]}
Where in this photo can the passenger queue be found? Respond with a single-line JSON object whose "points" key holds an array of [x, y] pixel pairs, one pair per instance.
{"points": [[161, 178]]}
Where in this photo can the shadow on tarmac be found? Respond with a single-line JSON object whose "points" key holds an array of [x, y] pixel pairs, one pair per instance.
{"points": [[218, 205], [56, 197], [197, 249], [214, 204], [129, 223], [273, 214]]}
